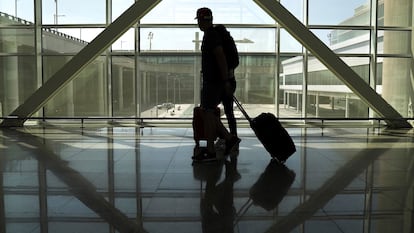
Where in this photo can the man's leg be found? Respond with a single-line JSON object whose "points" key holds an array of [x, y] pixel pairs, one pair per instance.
{"points": [[228, 102]]}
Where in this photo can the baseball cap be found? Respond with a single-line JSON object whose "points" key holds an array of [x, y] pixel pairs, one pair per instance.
{"points": [[204, 13]]}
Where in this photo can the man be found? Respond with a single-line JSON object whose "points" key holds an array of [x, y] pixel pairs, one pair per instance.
{"points": [[215, 75]]}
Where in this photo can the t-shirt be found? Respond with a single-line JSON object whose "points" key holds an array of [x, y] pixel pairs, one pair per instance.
{"points": [[209, 66]]}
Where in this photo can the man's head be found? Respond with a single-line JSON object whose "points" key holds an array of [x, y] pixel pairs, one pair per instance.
{"points": [[204, 18]]}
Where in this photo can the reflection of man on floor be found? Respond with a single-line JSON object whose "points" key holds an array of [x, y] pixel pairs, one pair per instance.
{"points": [[217, 208]]}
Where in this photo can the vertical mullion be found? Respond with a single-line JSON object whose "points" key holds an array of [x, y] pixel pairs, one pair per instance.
{"points": [[278, 65], [38, 46], [373, 49], [108, 63], [305, 62]]}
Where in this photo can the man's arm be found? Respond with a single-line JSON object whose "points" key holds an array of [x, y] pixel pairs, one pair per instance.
{"points": [[221, 61]]}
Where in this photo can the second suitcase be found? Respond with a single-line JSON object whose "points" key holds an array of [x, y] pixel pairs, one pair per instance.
{"points": [[273, 136], [275, 139]]}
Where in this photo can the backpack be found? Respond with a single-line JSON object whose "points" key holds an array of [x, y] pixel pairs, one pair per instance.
{"points": [[229, 46]]}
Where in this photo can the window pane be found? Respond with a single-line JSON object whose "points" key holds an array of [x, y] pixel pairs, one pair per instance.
{"points": [[118, 7], [395, 13], [345, 41], [256, 82], [394, 42], [327, 96], [395, 83], [17, 11], [66, 40], [123, 85], [17, 41], [73, 12], [181, 39], [85, 95], [21, 206], [185, 39], [17, 80], [290, 84], [288, 43], [295, 7], [339, 12], [168, 85], [126, 42], [225, 12]]}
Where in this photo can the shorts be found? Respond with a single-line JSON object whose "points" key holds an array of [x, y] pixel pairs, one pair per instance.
{"points": [[211, 96]]}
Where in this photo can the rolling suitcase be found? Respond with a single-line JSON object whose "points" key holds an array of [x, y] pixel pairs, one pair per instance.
{"points": [[198, 124], [271, 134]]}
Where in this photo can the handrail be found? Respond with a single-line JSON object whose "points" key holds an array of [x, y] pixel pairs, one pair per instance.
{"points": [[145, 120]]}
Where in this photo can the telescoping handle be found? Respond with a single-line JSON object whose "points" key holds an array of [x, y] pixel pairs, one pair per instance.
{"points": [[242, 109]]}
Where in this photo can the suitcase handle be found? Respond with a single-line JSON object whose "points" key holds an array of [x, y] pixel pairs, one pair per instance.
{"points": [[242, 109]]}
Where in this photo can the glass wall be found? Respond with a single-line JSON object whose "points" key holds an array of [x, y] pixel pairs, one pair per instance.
{"points": [[153, 70]]}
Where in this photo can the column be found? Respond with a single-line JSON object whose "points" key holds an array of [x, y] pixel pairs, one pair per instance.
{"points": [[396, 71], [10, 71]]}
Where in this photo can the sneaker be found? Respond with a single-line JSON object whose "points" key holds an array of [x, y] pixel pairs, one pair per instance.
{"points": [[205, 157], [232, 144]]}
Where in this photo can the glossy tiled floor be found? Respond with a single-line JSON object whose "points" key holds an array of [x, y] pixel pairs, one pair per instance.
{"points": [[126, 179]]}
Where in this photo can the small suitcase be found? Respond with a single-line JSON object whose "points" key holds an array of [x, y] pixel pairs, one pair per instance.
{"points": [[198, 124], [271, 134]]}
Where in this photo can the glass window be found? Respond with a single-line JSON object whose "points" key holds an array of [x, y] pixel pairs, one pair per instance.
{"points": [[225, 12], [168, 84], [123, 85], [345, 41], [256, 82], [185, 39], [395, 83], [394, 42], [85, 95], [339, 12], [17, 11], [395, 13], [166, 71], [17, 81], [126, 42], [18, 206], [17, 41], [68, 40], [118, 7], [288, 43], [74, 12], [295, 7], [290, 84], [328, 96]]}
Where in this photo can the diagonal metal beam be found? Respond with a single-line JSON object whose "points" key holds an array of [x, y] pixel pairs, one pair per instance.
{"points": [[67, 73], [333, 63]]}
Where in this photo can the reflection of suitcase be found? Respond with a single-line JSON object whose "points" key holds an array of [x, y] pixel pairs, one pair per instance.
{"points": [[269, 189], [272, 185], [271, 134], [198, 124]]}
